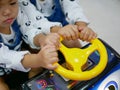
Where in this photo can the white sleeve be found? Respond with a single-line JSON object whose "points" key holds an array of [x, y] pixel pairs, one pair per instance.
{"points": [[12, 59], [32, 22], [73, 11]]}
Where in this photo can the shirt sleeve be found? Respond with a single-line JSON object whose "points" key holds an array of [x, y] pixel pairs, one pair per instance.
{"points": [[12, 59], [32, 22], [73, 11]]}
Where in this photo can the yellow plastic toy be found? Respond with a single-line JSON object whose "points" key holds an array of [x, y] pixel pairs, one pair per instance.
{"points": [[76, 59]]}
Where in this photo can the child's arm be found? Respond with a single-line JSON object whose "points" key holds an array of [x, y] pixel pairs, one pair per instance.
{"points": [[41, 40], [46, 57], [78, 31], [73, 11], [12, 59], [75, 15], [23, 60], [33, 25]]}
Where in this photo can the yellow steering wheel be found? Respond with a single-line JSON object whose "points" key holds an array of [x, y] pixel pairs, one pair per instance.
{"points": [[76, 58]]}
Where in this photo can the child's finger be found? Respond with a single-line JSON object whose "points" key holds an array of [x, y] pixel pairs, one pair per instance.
{"points": [[75, 32], [52, 67]]}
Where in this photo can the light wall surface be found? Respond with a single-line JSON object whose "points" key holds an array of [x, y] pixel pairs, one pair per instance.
{"points": [[104, 17]]}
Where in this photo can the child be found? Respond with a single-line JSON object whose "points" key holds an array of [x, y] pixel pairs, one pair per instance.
{"points": [[64, 17], [11, 58], [47, 16]]}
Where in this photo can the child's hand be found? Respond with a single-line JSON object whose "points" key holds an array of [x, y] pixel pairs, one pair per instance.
{"points": [[47, 57], [86, 34], [69, 32], [51, 39]]}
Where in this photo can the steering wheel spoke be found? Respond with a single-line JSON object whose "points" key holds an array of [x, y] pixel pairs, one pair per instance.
{"points": [[90, 49]]}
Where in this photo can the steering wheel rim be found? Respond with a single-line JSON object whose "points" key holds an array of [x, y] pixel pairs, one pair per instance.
{"points": [[77, 57]]}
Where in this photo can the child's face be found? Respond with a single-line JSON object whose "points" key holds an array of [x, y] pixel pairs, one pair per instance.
{"points": [[8, 12]]}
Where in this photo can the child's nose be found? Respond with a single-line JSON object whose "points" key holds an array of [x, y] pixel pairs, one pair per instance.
{"points": [[6, 12]]}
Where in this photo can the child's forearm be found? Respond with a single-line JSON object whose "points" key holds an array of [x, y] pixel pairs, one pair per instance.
{"points": [[54, 29], [29, 61], [38, 39], [79, 23]]}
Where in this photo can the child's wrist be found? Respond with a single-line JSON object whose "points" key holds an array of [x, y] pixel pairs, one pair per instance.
{"points": [[81, 24], [38, 39], [54, 29]]}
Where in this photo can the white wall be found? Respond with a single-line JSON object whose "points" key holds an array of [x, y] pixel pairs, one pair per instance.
{"points": [[104, 16]]}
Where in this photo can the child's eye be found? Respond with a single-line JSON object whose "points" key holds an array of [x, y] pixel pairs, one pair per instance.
{"points": [[13, 3]]}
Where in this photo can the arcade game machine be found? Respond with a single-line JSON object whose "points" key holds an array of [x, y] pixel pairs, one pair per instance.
{"points": [[94, 67]]}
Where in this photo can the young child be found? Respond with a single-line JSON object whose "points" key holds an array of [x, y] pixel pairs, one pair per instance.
{"points": [[39, 18], [64, 17], [11, 58]]}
